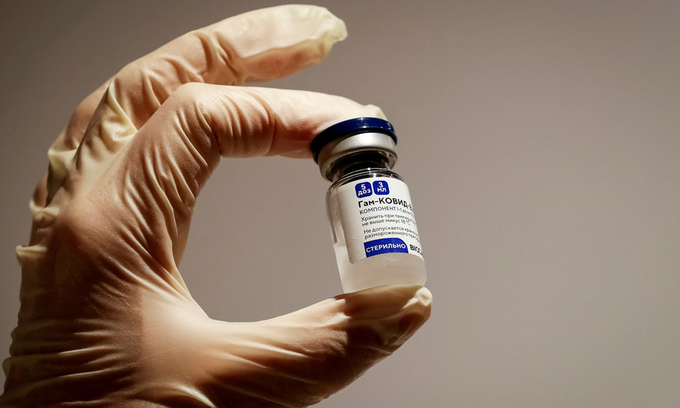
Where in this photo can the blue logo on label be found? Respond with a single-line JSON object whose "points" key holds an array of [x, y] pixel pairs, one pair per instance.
{"points": [[363, 190], [381, 188], [385, 245]]}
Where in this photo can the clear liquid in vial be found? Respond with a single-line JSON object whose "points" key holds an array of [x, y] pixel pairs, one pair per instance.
{"points": [[385, 269]]}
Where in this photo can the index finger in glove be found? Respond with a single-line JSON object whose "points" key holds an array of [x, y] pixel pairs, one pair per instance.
{"points": [[175, 152]]}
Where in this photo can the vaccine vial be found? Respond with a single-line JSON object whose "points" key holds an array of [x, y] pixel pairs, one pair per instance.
{"points": [[369, 206]]}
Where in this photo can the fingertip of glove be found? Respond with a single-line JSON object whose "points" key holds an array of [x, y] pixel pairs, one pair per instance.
{"points": [[388, 300], [338, 31], [332, 24], [421, 307], [329, 28], [423, 297], [391, 313]]}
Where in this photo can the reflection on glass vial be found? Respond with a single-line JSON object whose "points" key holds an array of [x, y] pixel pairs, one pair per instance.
{"points": [[369, 207]]}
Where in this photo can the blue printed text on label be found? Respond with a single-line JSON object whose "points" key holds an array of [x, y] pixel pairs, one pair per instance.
{"points": [[385, 245], [381, 187], [363, 190]]}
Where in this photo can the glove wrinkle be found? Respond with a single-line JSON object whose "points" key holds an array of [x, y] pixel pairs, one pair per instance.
{"points": [[222, 64], [69, 357]]}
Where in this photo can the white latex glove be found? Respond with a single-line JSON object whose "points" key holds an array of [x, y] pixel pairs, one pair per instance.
{"points": [[106, 319]]}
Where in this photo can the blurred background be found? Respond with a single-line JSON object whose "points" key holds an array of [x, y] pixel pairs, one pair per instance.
{"points": [[541, 143]]}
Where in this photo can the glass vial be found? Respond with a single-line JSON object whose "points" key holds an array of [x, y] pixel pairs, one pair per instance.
{"points": [[369, 206]]}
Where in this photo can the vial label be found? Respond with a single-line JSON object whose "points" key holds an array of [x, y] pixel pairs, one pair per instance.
{"points": [[377, 218]]}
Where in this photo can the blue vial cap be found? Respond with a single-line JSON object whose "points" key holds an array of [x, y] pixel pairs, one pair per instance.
{"points": [[348, 128]]}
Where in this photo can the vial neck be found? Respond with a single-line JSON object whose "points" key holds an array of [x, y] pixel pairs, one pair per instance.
{"points": [[358, 161]]}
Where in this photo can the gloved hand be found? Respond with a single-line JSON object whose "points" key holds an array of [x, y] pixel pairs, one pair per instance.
{"points": [[106, 319]]}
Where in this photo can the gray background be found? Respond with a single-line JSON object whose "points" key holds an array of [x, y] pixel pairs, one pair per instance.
{"points": [[541, 142]]}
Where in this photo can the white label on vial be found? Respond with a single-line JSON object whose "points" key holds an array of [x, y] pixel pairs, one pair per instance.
{"points": [[377, 218]]}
